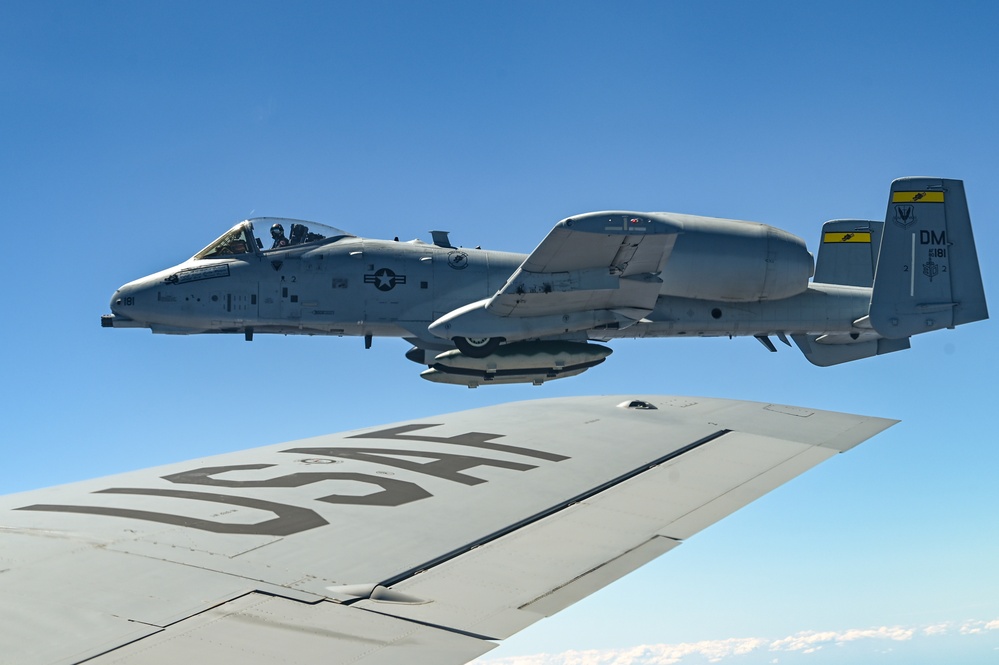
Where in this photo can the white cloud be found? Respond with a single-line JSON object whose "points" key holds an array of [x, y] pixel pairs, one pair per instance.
{"points": [[655, 654], [978, 627], [716, 651], [937, 629], [809, 641]]}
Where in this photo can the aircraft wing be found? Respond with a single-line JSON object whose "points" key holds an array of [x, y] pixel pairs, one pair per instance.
{"points": [[424, 541], [598, 261]]}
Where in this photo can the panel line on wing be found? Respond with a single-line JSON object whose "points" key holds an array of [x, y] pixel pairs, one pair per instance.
{"points": [[552, 510], [427, 624]]}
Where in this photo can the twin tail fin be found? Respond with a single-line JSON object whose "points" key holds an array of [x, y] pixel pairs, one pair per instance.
{"points": [[927, 275]]}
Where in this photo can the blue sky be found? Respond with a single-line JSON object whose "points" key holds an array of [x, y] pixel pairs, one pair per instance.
{"points": [[132, 134]]}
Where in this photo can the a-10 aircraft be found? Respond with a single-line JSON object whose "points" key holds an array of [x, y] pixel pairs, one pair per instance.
{"points": [[477, 317]]}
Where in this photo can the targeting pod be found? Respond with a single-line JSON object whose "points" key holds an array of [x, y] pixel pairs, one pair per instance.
{"points": [[521, 362]]}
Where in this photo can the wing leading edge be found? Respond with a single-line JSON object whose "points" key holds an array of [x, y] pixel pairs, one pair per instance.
{"points": [[426, 540]]}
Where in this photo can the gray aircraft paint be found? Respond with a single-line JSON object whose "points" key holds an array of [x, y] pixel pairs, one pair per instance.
{"points": [[424, 541], [596, 276]]}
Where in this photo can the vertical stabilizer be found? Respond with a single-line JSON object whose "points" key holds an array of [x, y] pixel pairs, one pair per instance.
{"points": [[848, 252], [927, 276]]}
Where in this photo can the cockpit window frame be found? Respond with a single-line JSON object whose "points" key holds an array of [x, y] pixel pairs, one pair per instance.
{"points": [[300, 232], [240, 233], [310, 234]]}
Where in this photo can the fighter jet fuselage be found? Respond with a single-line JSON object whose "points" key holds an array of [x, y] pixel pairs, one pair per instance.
{"points": [[351, 286], [597, 276]]}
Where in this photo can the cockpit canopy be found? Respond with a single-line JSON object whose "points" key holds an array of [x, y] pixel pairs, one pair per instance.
{"points": [[242, 239]]}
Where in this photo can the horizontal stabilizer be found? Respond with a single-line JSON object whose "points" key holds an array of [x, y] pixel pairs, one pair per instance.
{"points": [[834, 350]]}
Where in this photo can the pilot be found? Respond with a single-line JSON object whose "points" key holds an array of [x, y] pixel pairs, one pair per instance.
{"points": [[277, 232]]}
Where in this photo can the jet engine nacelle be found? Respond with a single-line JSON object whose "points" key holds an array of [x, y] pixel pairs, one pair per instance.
{"points": [[722, 259]]}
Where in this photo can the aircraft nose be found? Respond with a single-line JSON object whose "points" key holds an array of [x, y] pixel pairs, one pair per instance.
{"points": [[130, 305], [116, 303], [123, 299]]}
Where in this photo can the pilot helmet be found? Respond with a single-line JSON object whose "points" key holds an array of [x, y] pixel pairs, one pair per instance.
{"points": [[277, 230]]}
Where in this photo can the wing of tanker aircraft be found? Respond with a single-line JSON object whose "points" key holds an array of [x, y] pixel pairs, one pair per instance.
{"points": [[427, 541], [479, 317]]}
